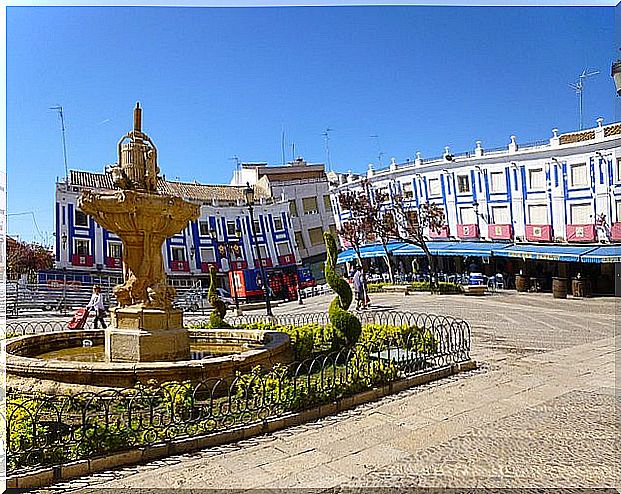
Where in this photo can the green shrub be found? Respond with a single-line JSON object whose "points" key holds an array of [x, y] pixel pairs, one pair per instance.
{"points": [[216, 318], [346, 325], [375, 287], [306, 340], [420, 286], [412, 337]]}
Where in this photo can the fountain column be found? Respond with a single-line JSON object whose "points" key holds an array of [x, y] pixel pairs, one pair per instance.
{"points": [[144, 327]]}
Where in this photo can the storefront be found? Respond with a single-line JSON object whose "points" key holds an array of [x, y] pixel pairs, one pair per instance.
{"points": [[537, 264]]}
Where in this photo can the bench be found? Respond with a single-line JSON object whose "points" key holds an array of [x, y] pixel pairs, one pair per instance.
{"points": [[405, 289], [475, 289]]}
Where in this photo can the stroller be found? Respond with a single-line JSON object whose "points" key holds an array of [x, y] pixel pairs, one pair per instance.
{"points": [[79, 319]]}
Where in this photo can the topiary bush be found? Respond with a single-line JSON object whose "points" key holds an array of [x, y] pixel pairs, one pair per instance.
{"points": [[346, 326], [216, 318]]}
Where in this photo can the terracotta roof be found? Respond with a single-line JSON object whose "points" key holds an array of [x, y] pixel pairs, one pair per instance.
{"points": [[196, 191]]}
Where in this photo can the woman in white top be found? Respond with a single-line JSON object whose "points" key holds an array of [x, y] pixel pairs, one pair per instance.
{"points": [[97, 303]]}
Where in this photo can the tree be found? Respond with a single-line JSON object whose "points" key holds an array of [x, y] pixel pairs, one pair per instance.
{"points": [[357, 229], [27, 258], [410, 225], [382, 224]]}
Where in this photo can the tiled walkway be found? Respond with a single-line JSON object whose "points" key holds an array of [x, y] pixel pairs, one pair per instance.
{"points": [[541, 411]]}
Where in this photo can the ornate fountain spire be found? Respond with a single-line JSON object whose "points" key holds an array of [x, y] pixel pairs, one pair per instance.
{"points": [[144, 326], [137, 165], [137, 118]]}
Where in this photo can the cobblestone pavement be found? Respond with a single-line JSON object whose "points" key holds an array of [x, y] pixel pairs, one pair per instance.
{"points": [[540, 411]]}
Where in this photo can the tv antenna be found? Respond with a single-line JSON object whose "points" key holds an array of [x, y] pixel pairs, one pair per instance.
{"points": [[59, 109], [380, 153], [579, 88], [237, 167], [326, 136], [236, 159]]}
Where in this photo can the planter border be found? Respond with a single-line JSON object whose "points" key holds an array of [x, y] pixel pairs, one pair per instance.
{"points": [[50, 475]]}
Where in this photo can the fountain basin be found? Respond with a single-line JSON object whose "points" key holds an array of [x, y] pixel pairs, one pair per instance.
{"points": [[243, 349]]}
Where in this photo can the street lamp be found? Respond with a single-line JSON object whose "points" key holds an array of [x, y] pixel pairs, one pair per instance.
{"points": [[238, 234], [484, 217], [249, 192], [227, 252], [475, 206], [615, 72]]}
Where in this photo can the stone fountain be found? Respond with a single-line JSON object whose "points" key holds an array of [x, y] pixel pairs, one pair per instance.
{"points": [[146, 340], [144, 327]]}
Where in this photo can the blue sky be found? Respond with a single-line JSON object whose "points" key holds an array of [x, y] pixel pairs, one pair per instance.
{"points": [[219, 82]]}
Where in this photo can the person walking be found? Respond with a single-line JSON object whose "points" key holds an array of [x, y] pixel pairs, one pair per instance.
{"points": [[359, 288], [96, 302]]}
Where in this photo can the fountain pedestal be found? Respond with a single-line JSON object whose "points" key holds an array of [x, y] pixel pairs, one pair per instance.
{"points": [[146, 335], [145, 327]]}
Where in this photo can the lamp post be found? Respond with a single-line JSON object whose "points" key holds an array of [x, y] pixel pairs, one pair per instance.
{"points": [[227, 251], [297, 277], [475, 205], [249, 192], [237, 308], [63, 239], [615, 72]]}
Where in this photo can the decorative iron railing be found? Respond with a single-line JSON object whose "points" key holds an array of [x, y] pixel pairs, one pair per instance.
{"points": [[56, 429]]}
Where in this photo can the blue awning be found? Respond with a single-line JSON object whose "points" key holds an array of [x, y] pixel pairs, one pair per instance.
{"points": [[436, 248], [409, 250], [367, 251], [551, 252], [604, 254], [477, 249], [568, 253], [452, 248]]}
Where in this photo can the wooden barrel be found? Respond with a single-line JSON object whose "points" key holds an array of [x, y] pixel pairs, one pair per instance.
{"points": [[559, 287], [522, 283]]}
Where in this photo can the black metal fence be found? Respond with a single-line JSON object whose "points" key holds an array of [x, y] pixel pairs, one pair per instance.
{"points": [[53, 430]]}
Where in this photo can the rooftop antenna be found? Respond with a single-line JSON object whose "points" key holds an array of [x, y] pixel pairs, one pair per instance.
{"points": [[579, 88], [326, 136], [380, 153], [236, 159], [237, 167], [282, 145], [59, 109]]}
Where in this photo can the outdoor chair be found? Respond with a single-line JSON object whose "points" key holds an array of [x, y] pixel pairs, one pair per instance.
{"points": [[499, 281]]}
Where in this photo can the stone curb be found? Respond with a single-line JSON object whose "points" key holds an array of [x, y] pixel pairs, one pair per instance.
{"points": [[50, 475]]}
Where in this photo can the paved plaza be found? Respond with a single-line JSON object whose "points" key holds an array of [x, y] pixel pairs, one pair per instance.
{"points": [[540, 411]]}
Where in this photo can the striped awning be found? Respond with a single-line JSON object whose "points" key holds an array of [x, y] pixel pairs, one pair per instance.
{"points": [[551, 252], [367, 251], [604, 254], [569, 253]]}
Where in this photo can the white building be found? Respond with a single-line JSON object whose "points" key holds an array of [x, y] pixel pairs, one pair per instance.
{"points": [[305, 187], [222, 236], [561, 191]]}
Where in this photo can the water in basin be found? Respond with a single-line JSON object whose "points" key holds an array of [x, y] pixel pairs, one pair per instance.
{"points": [[96, 353]]}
